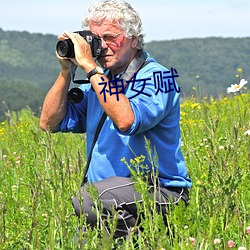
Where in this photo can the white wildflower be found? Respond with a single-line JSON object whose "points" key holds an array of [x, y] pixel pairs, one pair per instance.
{"points": [[237, 87], [247, 133], [242, 248], [217, 241]]}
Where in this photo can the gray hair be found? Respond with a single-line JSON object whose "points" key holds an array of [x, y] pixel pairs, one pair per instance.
{"points": [[120, 13]]}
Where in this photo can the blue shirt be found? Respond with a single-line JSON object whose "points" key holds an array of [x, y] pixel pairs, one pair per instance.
{"points": [[157, 113]]}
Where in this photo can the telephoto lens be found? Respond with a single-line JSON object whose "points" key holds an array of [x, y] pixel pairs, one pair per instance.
{"points": [[65, 48], [75, 95]]}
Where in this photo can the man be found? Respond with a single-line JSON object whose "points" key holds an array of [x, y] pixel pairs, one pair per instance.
{"points": [[143, 109]]}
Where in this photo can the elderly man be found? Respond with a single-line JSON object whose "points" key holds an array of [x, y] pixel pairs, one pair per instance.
{"points": [[146, 108]]}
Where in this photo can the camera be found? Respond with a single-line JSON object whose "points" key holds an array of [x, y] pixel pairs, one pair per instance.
{"points": [[65, 48]]}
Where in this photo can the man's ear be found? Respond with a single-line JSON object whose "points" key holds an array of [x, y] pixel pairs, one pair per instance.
{"points": [[134, 42]]}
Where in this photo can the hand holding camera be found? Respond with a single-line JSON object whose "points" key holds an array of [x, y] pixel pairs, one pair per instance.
{"points": [[81, 47], [65, 48]]}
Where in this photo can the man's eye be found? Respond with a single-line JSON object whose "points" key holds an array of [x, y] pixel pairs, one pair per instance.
{"points": [[108, 37]]}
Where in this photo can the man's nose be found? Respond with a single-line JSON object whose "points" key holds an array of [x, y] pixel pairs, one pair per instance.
{"points": [[104, 44]]}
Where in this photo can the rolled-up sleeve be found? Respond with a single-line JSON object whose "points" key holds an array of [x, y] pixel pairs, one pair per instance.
{"points": [[149, 107]]}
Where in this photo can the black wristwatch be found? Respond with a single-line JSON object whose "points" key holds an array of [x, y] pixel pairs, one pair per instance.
{"points": [[96, 70]]}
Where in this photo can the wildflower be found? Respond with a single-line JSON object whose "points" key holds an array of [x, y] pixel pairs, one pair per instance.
{"points": [[45, 216], [132, 162], [221, 147], [123, 159], [242, 248], [138, 160], [240, 70], [195, 105], [247, 133], [237, 87], [14, 188], [216, 241], [248, 230], [198, 182], [183, 113], [192, 240], [230, 244]]}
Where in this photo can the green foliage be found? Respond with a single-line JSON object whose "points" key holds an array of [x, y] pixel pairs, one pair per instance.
{"points": [[221, 157], [36, 184], [206, 60], [40, 172], [28, 58], [14, 95], [28, 68]]}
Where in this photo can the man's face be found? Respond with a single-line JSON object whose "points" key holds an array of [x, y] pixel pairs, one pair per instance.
{"points": [[118, 50]]}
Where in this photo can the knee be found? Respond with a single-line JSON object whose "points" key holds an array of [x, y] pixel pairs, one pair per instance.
{"points": [[84, 205], [77, 206]]}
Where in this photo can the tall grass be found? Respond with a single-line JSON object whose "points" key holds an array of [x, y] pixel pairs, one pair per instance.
{"points": [[40, 172]]}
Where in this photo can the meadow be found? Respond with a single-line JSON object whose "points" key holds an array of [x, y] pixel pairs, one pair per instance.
{"points": [[40, 172]]}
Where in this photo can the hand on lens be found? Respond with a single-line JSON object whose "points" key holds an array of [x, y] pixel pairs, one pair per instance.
{"points": [[66, 63], [83, 54]]}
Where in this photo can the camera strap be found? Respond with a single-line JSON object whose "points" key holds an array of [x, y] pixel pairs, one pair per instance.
{"points": [[136, 64]]}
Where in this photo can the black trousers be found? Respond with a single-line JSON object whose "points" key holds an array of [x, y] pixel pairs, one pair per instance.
{"points": [[119, 194]]}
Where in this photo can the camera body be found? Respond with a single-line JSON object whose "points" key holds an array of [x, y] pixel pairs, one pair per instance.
{"points": [[65, 48]]}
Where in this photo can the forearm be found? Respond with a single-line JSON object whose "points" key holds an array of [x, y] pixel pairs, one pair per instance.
{"points": [[119, 111], [55, 103]]}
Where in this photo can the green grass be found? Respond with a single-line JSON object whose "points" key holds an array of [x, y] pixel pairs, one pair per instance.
{"points": [[40, 172]]}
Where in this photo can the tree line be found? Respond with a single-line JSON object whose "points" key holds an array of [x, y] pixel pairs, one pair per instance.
{"points": [[206, 67]]}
